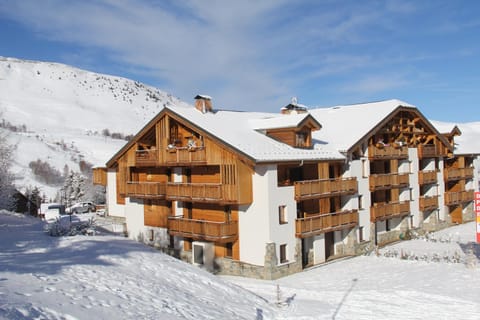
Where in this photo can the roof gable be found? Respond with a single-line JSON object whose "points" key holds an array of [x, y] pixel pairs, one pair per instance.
{"points": [[345, 127]]}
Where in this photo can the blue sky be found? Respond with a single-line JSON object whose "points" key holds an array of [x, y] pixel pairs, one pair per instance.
{"points": [[257, 55]]}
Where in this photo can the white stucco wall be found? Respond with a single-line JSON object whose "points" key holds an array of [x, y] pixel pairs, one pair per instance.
{"points": [[134, 218], [442, 209], [259, 223], [412, 166], [356, 169], [114, 209]]}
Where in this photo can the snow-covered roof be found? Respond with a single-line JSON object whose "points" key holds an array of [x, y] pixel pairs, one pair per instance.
{"points": [[345, 125], [203, 96], [466, 143], [279, 121], [238, 129]]}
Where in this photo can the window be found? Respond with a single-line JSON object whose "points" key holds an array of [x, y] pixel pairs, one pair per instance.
{"points": [[198, 254], [388, 227], [360, 202], [282, 214], [360, 234], [229, 249], [301, 139], [151, 234], [283, 253]]}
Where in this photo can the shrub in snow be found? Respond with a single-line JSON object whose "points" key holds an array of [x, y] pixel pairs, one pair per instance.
{"points": [[64, 227], [470, 258]]}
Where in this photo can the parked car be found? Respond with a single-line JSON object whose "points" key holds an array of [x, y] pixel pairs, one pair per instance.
{"points": [[54, 211], [82, 207]]}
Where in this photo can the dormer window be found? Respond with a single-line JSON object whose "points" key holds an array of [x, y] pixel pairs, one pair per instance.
{"points": [[294, 130], [302, 139]]}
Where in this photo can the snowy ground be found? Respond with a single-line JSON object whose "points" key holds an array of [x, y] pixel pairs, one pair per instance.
{"points": [[416, 279], [110, 277], [106, 277]]}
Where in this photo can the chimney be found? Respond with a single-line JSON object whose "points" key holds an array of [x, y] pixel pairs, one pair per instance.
{"points": [[203, 103], [293, 108]]}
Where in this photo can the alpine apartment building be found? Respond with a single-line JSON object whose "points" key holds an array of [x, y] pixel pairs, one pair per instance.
{"points": [[265, 195]]}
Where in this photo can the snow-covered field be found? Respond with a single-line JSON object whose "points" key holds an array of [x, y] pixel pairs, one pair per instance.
{"points": [[107, 276]]}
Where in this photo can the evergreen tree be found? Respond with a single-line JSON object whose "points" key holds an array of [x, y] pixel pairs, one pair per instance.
{"points": [[7, 189], [73, 189]]}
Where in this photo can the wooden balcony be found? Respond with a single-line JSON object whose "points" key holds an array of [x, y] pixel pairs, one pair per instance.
{"points": [[383, 211], [146, 190], [315, 225], [455, 198], [186, 156], [428, 203], [427, 177], [202, 229], [202, 192], [389, 181], [452, 174], [146, 158], [387, 152], [431, 151], [311, 189]]}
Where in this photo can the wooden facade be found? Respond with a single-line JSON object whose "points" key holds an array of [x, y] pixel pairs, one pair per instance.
{"points": [[100, 176], [172, 161]]}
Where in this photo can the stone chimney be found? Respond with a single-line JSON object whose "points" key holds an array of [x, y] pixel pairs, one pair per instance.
{"points": [[293, 108], [203, 103]]}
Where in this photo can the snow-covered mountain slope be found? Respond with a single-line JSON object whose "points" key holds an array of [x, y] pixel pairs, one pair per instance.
{"points": [[57, 113]]}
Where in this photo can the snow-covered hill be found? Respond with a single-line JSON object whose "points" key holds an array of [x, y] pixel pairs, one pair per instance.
{"points": [[59, 114]]}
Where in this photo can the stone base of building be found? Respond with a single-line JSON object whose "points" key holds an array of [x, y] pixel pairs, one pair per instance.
{"points": [[231, 267]]}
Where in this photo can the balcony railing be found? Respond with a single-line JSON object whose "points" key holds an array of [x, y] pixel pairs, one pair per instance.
{"points": [[146, 190], [387, 152], [428, 203], [431, 151], [202, 192], [314, 225], [186, 156], [146, 157], [383, 211], [454, 198], [427, 177], [458, 173], [202, 229], [389, 180], [311, 189]]}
